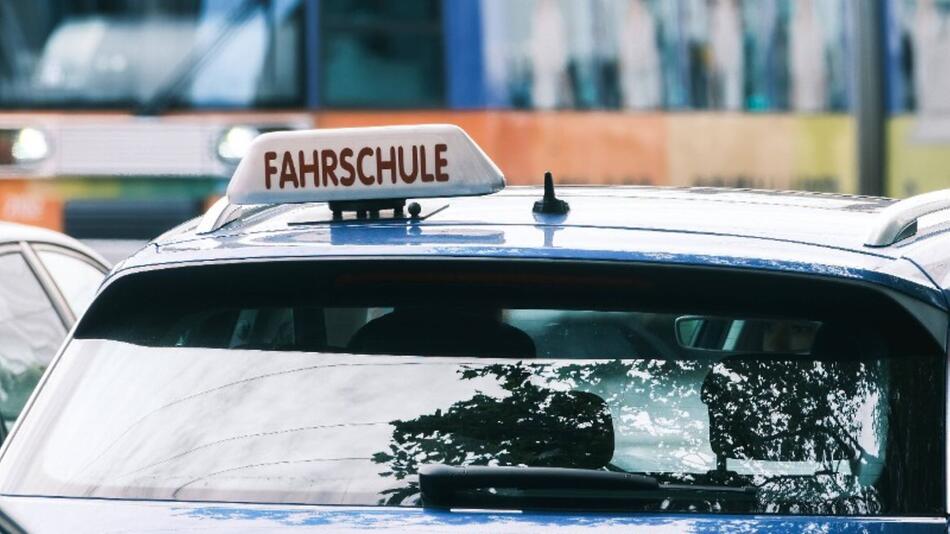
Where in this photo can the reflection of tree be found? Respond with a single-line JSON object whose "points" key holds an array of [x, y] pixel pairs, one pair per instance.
{"points": [[516, 429], [16, 384], [801, 411], [821, 493], [796, 411], [759, 410]]}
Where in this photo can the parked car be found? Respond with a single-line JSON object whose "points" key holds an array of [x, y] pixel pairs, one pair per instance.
{"points": [[47, 281]]}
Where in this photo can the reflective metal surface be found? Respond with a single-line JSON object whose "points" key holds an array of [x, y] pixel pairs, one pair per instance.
{"points": [[794, 232], [39, 516]]}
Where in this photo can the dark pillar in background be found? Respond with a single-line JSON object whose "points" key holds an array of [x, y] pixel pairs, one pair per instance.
{"points": [[869, 106], [311, 57]]}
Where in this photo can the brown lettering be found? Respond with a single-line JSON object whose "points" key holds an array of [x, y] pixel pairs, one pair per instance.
{"points": [[410, 176], [440, 163], [328, 160], [426, 177], [269, 169], [366, 179], [303, 168], [383, 165], [347, 166], [288, 174]]}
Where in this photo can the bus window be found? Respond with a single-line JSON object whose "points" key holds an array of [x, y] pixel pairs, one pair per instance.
{"points": [[381, 54], [125, 53]]}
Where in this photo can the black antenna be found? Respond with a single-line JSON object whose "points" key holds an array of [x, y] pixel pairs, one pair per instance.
{"points": [[550, 204]]}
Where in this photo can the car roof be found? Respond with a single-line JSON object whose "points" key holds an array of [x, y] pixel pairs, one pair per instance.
{"points": [[817, 233], [14, 232]]}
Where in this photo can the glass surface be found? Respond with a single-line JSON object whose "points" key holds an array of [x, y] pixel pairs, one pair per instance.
{"points": [[354, 429], [124, 53], [30, 333], [917, 77], [333, 384], [918, 96], [77, 280], [381, 54], [761, 55]]}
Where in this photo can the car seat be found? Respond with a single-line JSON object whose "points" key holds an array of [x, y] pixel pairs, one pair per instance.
{"points": [[440, 333]]}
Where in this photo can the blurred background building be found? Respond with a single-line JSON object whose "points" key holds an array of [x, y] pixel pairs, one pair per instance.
{"points": [[120, 117]]}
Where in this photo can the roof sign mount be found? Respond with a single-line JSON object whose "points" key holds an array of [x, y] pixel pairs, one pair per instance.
{"points": [[367, 207], [550, 204]]}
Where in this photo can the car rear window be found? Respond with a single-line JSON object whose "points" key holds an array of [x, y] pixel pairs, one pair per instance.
{"points": [[336, 382]]}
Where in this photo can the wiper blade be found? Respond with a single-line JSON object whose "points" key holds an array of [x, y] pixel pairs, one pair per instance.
{"points": [[444, 486], [200, 54], [440, 478], [440, 484]]}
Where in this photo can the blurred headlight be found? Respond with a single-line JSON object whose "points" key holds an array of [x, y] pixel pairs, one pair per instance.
{"points": [[234, 143], [30, 145], [24, 145]]}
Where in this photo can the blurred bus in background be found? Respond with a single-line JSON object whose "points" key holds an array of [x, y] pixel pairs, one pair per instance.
{"points": [[120, 117]]}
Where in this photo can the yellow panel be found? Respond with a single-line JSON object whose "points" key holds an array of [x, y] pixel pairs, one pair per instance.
{"points": [[918, 159], [764, 151]]}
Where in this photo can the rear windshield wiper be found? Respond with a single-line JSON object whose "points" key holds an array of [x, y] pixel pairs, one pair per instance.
{"points": [[444, 486]]}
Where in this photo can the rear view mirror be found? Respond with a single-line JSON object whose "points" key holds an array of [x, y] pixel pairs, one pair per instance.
{"points": [[736, 334]]}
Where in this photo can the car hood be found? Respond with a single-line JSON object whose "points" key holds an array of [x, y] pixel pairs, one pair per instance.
{"points": [[39, 515]]}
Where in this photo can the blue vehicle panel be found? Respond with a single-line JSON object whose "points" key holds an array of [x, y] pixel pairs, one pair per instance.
{"points": [[799, 233], [97, 516], [796, 233]]}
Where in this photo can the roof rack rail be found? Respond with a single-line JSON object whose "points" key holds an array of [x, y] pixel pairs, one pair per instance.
{"points": [[899, 220], [217, 215]]}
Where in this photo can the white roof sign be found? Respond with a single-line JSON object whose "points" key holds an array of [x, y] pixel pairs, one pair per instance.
{"points": [[430, 160]]}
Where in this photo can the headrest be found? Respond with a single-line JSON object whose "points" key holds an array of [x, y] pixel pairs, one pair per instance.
{"points": [[440, 333]]}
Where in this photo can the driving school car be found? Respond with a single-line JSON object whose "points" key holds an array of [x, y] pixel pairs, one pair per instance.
{"points": [[368, 332]]}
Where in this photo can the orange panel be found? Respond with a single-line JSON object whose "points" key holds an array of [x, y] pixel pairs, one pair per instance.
{"points": [[21, 205], [578, 147]]}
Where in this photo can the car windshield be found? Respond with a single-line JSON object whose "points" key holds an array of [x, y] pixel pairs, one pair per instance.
{"points": [[335, 383], [127, 53]]}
